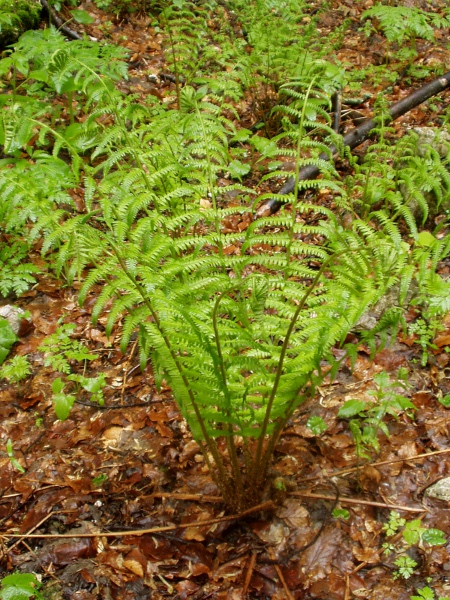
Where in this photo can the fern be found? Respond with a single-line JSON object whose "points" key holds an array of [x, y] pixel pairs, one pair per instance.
{"points": [[242, 337]]}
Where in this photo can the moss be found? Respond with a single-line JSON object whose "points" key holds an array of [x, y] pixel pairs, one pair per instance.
{"points": [[24, 15]]}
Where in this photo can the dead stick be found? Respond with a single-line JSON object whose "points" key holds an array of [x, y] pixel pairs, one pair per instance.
{"points": [[356, 501], [355, 137], [23, 537], [193, 497], [377, 464], [248, 575], [59, 22], [264, 506], [280, 575]]}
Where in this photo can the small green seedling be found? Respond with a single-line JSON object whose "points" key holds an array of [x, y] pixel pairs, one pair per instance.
{"points": [[99, 480], [341, 513], [317, 425], [427, 593], [387, 401], [15, 463], [413, 533]]}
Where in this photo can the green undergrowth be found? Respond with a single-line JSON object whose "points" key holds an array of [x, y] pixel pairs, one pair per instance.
{"points": [[241, 321], [16, 16]]}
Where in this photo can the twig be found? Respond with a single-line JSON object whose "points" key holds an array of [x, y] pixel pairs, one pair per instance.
{"points": [[59, 22], [114, 406], [376, 464], [264, 506], [249, 573], [193, 497], [124, 381], [356, 501], [336, 106], [22, 536], [280, 575]]}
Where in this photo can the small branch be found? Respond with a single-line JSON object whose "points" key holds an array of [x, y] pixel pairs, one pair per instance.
{"points": [[356, 501], [260, 507], [355, 137], [249, 574], [192, 497], [280, 575], [377, 464], [59, 23], [336, 105]]}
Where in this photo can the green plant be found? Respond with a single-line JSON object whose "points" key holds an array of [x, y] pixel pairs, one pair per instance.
{"points": [[20, 586], [60, 348], [16, 16], [403, 22], [15, 463], [240, 352], [16, 369], [427, 593], [239, 322], [413, 533], [317, 425], [63, 402], [425, 332], [7, 339], [119, 7], [99, 480], [15, 275], [386, 401]]}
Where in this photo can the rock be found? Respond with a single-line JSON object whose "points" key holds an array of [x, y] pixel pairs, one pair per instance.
{"points": [[13, 315], [439, 140], [439, 490]]}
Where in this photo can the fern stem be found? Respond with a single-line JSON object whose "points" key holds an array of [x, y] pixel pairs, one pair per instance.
{"points": [[223, 480], [237, 475], [296, 180], [259, 451]]}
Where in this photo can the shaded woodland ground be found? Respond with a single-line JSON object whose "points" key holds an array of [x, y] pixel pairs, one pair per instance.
{"points": [[131, 463]]}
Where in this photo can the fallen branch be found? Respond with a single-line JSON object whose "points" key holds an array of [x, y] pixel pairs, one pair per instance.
{"points": [[264, 506], [356, 501], [375, 464], [355, 137], [59, 23]]}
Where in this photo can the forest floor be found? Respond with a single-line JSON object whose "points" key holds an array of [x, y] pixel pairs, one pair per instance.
{"points": [[131, 464]]}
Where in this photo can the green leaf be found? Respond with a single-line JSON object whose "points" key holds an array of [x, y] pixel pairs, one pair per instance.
{"points": [[15, 463], [7, 339], [426, 239], [445, 401], [63, 404], [238, 170], [434, 537], [317, 425], [264, 146], [81, 16], [57, 385], [99, 480], [241, 136], [341, 513], [351, 408], [20, 586], [412, 532], [424, 594]]}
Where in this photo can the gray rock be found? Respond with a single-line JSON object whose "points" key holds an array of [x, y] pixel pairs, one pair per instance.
{"points": [[439, 490]]}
